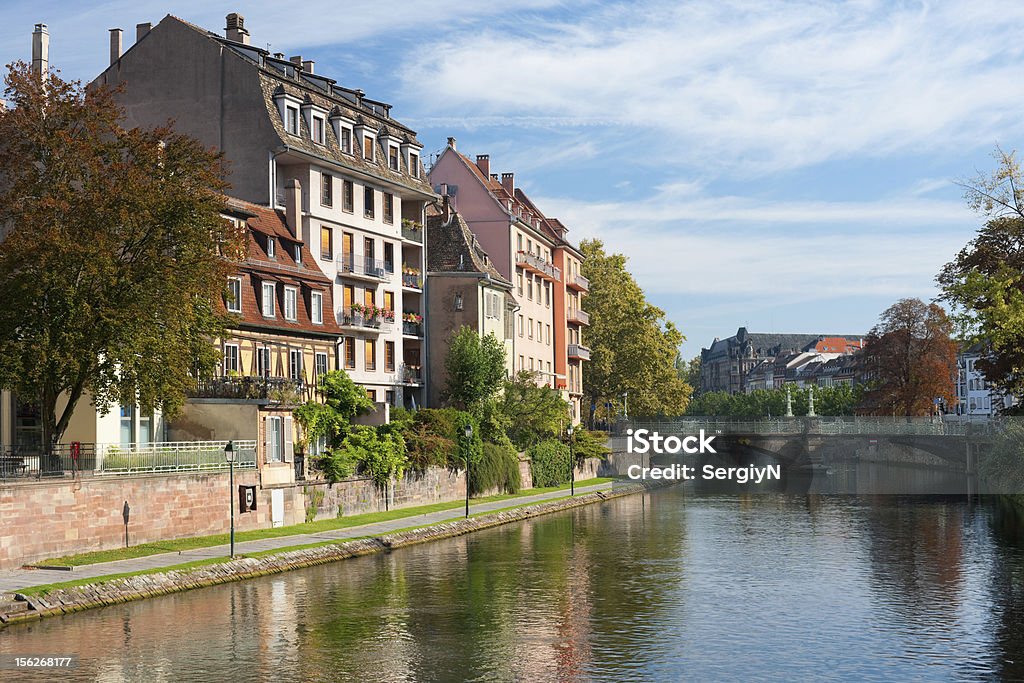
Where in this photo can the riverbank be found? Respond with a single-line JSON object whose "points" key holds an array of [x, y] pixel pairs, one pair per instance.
{"points": [[72, 596]]}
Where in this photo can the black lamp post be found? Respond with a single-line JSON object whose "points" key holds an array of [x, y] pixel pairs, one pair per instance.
{"points": [[469, 450], [572, 463], [229, 455]]}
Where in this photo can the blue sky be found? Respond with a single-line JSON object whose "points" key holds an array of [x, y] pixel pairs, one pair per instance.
{"points": [[786, 166]]}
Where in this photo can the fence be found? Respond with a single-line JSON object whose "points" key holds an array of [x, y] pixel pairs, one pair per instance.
{"points": [[894, 426], [118, 459]]}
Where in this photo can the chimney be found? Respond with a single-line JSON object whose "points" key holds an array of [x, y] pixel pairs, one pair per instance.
{"points": [[40, 51], [307, 66], [116, 43], [446, 205], [494, 177], [296, 60], [278, 55], [141, 30], [293, 207], [508, 182], [235, 29], [483, 162], [451, 142]]}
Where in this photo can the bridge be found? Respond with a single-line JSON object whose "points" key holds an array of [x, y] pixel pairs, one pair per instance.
{"points": [[809, 441]]}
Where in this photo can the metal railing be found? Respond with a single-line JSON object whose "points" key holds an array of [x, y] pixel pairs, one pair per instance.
{"points": [[99, 459], [410, 374], [538, 264], [413, 280], [273, 389], [579, 351], [348, 317], [412, 329], [835, 426], [413, 235], [354, 264]]}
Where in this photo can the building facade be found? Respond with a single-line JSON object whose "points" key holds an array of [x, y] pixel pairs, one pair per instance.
{"points": [[976, 397], [349, 175]]}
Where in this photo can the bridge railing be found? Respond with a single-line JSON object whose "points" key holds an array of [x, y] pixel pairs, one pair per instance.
{"points": [[883, 426]]}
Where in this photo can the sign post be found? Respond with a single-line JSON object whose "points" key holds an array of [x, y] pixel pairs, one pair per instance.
{"points": [[125, 512]]}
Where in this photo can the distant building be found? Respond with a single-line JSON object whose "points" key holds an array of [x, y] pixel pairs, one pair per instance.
{"points": [[976, 397], [728, 363]]}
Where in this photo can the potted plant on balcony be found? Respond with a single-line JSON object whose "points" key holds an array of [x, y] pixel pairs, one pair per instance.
{"points": [[412, 225]]}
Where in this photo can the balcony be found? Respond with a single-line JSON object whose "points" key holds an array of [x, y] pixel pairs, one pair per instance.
{"points": [[412, 231], [412, 328], [578, 316], [410, 374], [579, 352], [536, 264], [578, 282], [359, 318], [356, 266], [271, 390], [412, 278]]}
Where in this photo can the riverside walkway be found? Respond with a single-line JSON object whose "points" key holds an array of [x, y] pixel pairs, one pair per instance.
{"points": [[16, 579]]}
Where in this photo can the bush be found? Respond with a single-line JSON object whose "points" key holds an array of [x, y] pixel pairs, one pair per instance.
{"points": [[549, 463], [587, 444], [497, 468], [430, 439]]}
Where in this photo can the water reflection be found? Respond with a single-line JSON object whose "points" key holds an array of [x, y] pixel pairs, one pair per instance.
{"points": [[673, 584]]}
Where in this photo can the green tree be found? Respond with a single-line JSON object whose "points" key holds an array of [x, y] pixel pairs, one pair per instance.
{"points": [[343, 400], [689, 371], [533, 413], [633, 347], [476, 369], [113, 257], [984, 284]]}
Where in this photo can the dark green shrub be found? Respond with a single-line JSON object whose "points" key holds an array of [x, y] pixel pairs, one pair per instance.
{"points": [[549, 463], [497, 468]]}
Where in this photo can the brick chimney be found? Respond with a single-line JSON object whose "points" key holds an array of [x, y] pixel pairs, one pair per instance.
{"points": [[508, 182], [235, 29], [307, 65], [116, 44], [296, 60], [451, 142], [40, 51], [141, 30], [293, 207], [483, 162]]}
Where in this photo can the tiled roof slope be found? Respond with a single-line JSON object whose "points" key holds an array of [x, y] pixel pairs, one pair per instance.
{"points": [[453, 247]]}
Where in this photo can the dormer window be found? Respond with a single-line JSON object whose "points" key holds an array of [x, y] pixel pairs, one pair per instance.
{"points": [[271, 247], [292, 121], [345, 140], [414, 165], [393, 158], [342, 130], [318, 130], [298, 254], [368, 147]]}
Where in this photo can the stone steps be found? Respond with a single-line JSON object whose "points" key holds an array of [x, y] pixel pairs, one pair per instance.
{"points": [[9, 605]]}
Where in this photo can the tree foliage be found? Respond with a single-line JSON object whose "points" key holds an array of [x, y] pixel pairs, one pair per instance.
{"points": [[910, 359], [549, 463], [838, 400], [113, 253], [476, 369], [985, 282], [343, 400], [533, 413], [633, 347]]}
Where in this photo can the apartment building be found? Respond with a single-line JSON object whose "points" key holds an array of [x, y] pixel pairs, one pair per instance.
{"points": [[526, 248], [349, 174], [464, 288], [976, 397]]}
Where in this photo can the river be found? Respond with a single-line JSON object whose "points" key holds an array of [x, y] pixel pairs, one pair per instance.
{"points": [[669, 585]]}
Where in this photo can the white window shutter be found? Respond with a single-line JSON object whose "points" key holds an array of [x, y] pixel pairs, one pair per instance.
{"points": [[289, 444], [268, 443]]}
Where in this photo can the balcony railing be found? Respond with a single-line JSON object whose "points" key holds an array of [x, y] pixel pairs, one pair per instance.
{"points": [[578, 282], [579, 351], [413, 280], [351, 318], [579, 316], [538, 265], [349, 264], [270, 389], [412, 234], [410, 374], [412, 329]]}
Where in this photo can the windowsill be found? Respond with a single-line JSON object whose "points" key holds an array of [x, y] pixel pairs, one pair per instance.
{"points": [[389, 222], [327, 206], [231, 310], [349, 210], [368, 216]]}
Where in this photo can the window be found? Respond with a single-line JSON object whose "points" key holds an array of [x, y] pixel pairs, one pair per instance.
{"points": [[230, 359], [389, 257], [291, 296], [326, 189], [529, 288], [531, 365], [346, 140], [393, 158], [316, 300], [370, 297], [547, 294], [326, 243], [263, 361], [347, 196], [297, 253], [348, 250], [368, 202], [548, 335], [320, 364], [292, 120], [370, 354], [389, 396], [274, 439], [458, 301], [414, 165], [522, 364], [368, 148], [295, 364], [349, 296], [127, 425], [268, 299], [318, 130], [519, 278], [519, 241], [371, 394], [389, 301], [529, 328], [389, 207], [271, 247], [389, 356], [146, 429], [520, 328], [350, 353], [234, 297]]}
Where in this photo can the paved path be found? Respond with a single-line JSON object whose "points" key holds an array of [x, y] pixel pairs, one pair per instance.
{"points": [[14, 579]]}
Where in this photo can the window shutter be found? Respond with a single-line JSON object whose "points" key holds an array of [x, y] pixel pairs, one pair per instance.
{"points": [[267, 440], [289, 444]]}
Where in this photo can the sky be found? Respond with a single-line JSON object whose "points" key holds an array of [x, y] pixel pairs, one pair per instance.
{"points": [[785, 166]]}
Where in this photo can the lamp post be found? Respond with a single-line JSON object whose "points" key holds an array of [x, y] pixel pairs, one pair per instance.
{"points": [[572, 463], [229, 455], [469, 449]]}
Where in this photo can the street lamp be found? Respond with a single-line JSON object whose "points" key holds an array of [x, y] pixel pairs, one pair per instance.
{"points": [[469, 447], [229, 456], [572, 463]]}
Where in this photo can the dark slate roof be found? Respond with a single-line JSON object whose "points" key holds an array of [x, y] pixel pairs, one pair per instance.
{"points": [[769, 344], [453, 247]]}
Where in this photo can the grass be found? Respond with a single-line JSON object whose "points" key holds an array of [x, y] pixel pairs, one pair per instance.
{"points": [[43, 589], [183, 544]]}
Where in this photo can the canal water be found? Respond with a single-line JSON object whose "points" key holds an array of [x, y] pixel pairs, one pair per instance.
{"points": [[674, 584]]}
